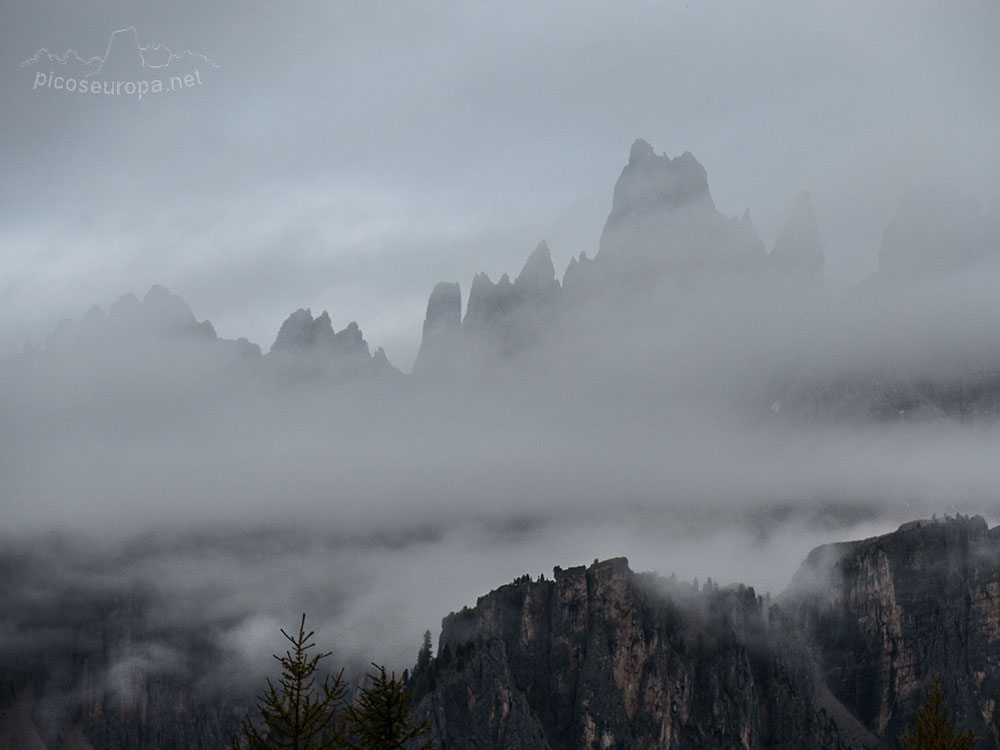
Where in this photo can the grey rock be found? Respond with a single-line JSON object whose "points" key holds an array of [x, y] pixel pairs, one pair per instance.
{"points": [[663, 221], [439, 345], [537, 280], [890, 613], [601, 657], [798, 249]]}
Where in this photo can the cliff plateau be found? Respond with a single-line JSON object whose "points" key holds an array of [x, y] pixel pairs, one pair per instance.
{"points": [[602, 657]]}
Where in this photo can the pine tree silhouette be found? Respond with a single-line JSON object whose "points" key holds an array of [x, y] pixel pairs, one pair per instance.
{"points": [[380, 716], [296, 714]]}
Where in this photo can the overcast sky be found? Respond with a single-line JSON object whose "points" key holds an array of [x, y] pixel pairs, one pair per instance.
{"points": [[347, 156]]}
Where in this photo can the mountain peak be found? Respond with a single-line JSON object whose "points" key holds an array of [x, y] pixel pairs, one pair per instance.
{"points": [[640, 151], [302, 336], [663, 220], [798, 247], [538, 274], [442, 327], [650, 182]]}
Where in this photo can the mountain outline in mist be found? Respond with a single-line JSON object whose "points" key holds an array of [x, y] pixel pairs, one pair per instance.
{"points": [[673, 275]]}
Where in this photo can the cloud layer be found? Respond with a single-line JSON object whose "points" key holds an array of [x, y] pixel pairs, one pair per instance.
{"points": [[345, 158]]}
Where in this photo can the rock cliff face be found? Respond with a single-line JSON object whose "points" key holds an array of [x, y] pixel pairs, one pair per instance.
{"points": [[597, 657], [889, 614], [601, 657]]}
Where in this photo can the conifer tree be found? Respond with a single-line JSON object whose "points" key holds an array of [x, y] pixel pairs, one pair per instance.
{"points": [[380, 716], [424, 655], [933, 729], [296, 714], [421, 680]]}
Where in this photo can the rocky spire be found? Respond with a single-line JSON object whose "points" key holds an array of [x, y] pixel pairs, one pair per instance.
{"points": [[663, 220], [488, 301], [651, 182], [297, 333], [442, 328], [798, 248], [538, 277], [301, 334]]}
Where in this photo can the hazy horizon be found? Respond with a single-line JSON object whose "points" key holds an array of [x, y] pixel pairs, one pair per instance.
{"points": [[346, 158]]}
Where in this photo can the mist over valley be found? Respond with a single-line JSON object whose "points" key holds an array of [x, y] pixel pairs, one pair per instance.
{"points": [[429, 319]]}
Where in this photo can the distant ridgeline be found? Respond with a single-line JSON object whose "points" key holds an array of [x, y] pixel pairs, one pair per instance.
{"points": [[596, 657], [678, 282]]}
